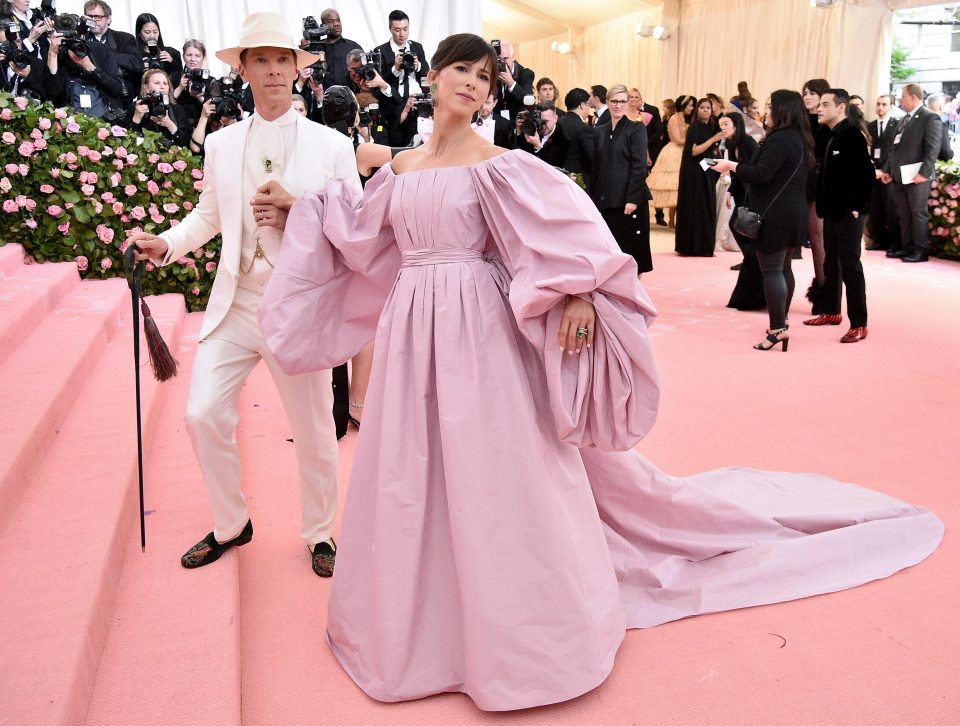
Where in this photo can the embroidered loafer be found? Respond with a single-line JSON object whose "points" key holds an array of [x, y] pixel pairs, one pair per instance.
{"points": [[834, 319], [324, 558], [209, 550], [854, 335]]}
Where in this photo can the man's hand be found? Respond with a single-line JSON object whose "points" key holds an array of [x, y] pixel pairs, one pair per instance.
{"points": [[149, 246], [507, 79], [398, 62], [38, 30], [377, 81], [534, 141], [920, 179], [22, 72], [85, 63], [630, 209], [885, 177], [271, 205]]}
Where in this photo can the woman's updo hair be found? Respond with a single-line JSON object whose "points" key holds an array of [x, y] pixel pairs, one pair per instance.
{"points": [[464, 48]]}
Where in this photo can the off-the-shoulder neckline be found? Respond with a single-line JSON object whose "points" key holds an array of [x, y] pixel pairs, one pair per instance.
{"points": [[456, 166]]}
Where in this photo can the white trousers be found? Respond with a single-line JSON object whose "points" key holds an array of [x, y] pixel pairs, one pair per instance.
{"points": [[224, 360]]}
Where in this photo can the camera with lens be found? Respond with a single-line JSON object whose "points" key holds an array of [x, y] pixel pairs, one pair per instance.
{"points": [[320, 72], [371, 64], [366, 119], [423, 104], [73, 26], [409, 60], [227, 99], [12, 51], [46, 10], [157, 103], [152, 60], [315, 33], [196, 81], [501, 63], [531, 123]]}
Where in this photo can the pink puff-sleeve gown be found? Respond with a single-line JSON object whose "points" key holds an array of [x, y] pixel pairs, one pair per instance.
{"points": [[499, 535]]}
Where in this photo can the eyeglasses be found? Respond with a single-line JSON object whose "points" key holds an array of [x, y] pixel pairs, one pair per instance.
{"points": [[618, 102], [97, 18]]}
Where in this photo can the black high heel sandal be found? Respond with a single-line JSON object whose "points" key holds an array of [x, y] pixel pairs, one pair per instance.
{"points": [[350, 418], [780, 335]]}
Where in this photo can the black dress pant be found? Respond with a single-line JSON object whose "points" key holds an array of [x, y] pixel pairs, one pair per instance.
{"points": [[842, 268], [884, 221], [914, 214]]}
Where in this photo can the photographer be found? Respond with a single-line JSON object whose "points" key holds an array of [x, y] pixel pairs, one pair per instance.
{"points": [[336, 48], [539, 134], [310, 86], [404, 62], [371, 126], [22, 73], [34, 28], [194, 86], [154, 54], [223, 108], [122, 46], [155, 110], [516, 82], [82, 74]]}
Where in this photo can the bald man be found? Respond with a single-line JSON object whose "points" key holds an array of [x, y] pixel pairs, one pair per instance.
{"points": [[515, 82], [336, 48]]}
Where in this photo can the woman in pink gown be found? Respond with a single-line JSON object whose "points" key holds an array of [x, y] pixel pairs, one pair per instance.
{"points": [[499, 535]]}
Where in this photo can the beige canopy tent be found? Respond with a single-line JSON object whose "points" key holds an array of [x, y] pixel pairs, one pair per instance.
{"points": [[709, 45]]}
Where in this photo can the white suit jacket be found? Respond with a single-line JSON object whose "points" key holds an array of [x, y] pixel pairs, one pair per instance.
{"points": [[321, 154]]}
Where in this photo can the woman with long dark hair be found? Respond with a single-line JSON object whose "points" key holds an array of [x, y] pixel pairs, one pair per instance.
{"points": [[776, 179], [738, 146], [155, 53], [811, 92], [664, 179], [748, 292], [696, 194]]}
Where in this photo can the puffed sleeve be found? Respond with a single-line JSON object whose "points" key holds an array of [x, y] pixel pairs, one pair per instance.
{"points": [[554, 243], [337, 264]]}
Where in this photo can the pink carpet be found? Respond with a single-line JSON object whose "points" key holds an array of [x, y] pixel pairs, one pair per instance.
{"points": [[242, 641]]}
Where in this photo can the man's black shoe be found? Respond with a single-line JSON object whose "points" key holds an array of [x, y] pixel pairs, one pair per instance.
{"points": [[916, 257], [209, 550], [898, 253]]}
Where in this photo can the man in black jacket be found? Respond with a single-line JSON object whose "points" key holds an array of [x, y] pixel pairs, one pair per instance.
{"points": [[916, 145], [391, 55], [122, 46], [88, 82], [516, 82], [843, 192], [579, 132], [883, 221], [550, 144], [336, 48]]}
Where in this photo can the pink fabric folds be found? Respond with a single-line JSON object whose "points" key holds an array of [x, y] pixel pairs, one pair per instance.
{"points": [[554, 243], [323, 301]]}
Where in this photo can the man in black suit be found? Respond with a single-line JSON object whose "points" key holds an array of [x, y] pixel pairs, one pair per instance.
{"points": [[843, 192], [653, 130], [35, 39], [499, 128], [122, 46], [598, 102], [935, 104], [883, 221], [336, 48], [579, 132], [90, 84], [917, 141], [391, 55], [515, 82], [25, 77], [550, 144]]}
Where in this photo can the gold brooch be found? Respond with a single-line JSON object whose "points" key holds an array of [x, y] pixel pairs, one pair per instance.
{"points": [[267, 165]]}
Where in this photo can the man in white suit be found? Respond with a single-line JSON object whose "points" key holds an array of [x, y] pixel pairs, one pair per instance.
{"points": [[253, 172]]}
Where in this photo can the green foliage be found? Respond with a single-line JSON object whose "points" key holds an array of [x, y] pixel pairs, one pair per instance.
{"points": [[944, 202], [900, 72], [71, 187]]}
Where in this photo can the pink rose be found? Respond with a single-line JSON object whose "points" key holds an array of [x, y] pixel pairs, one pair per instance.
{"points": [[55, 173], [124, 218], [97, 208], [138, 213], [10, 206], [5, 185], [82, 263], [73, 128], [21, 103], [46, 189], [83, 150], [31, 223], [26, 149], [179, 165], [174, 222], [118, 131], [194, 290], [171, 208], [118, 163], [23, 169], [44, 124], [60, 113], [210, 266], [150, 267], [104, 234], [121, 152], [40, 144], [108, 197], [68, 205], [131, 159], [10, 168], [197, 173], [129, 190], [107, 151], [7, 137], [64, 228], [21, 200], [141, 177], [152, 187], [30, 205], [164, 168], [153, 158], [103, 134], [157, 218], [54, 211], [118, 208], [106, 263], [198, 185], [71, 158], [6, 114], [188, 206], [115, 179], [94, 156], [87, 189], [36, 134], [168, 184]]}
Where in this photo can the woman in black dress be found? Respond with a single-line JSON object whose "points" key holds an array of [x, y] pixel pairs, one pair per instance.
{"points": [[776, 179], [618, 185], [812, 90], [696, 196], [740, 146], [154, 51]]}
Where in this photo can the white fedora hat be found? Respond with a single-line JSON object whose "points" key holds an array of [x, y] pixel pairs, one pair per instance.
{"points": [[266, 30]]}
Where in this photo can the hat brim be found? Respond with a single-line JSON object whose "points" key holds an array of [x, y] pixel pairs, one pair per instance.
{"points": [[231, 56]]}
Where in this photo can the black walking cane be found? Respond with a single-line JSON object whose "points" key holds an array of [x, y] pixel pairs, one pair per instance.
{"points": [[164, 366]]}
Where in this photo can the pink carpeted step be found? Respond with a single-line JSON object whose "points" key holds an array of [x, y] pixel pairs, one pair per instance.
{"points": [[197, 630], [27, 294], [62, 553], [49, 369], [11, 258]]}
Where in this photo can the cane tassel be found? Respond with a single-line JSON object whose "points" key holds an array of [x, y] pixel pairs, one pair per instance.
{"points": [[164, 364]]}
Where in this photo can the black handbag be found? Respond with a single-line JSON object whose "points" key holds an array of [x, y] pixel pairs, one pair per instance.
{"points": [[746, 222]]}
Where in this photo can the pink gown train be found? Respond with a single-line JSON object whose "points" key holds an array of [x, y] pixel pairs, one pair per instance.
{"points": [[499, 535]]}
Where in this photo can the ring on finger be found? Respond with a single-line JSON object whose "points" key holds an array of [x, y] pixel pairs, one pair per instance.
{"points": [[582, 332]]}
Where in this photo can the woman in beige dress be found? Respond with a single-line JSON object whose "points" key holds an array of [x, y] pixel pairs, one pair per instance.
{"points": [[665, 177]]}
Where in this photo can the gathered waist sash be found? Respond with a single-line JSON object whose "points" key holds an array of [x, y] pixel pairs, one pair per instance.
{"points": [[442, 256]]}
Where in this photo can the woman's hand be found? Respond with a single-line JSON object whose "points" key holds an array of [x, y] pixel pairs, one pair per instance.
{"points": [[724, 165], [207, 109], [729, 201], [139, 111], [165, 57], [578, 315]]}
